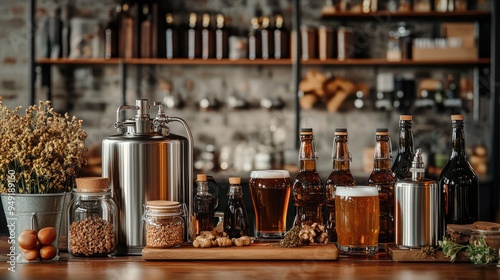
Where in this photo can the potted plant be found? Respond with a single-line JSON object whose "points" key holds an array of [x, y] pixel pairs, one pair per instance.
{"points": [[41, 154]]}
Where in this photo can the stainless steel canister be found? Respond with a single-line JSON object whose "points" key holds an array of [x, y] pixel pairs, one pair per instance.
{"points": [[418, 209], [145, 162]]}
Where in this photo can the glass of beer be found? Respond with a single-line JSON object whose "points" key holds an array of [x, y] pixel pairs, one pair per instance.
{"points": [[270, 192], [357, 219]]}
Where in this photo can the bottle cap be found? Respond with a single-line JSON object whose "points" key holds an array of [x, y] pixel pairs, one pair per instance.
{"points": [[234, 180], [457, 117], [306, 131], [341, 131], [201, 178], [405, 117], [382, 131], [91, 184]]}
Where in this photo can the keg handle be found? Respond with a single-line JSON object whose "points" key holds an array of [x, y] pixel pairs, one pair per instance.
{"points": [[119, 124]]}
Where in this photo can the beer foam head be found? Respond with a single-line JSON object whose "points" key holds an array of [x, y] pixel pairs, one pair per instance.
{"points": [[270, 174], [356, 191]]}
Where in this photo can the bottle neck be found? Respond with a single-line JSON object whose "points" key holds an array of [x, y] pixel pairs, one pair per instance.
{"points": [[341, 157], [457, 139], [383, 153], [202, 188], [307, 153], [405, 137], [235, 191]]}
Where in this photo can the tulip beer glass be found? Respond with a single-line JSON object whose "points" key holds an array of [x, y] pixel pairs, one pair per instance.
{"points": [[270, 192], [357, 218]]}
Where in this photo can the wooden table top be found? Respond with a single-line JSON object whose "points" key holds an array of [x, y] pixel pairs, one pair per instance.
{"points": [[134, 267]]}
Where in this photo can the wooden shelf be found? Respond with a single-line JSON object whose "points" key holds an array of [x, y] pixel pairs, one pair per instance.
{"points": [[185, 61], [433, 15]]}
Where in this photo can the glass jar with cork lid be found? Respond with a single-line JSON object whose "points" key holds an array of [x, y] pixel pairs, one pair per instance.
{"points": [[164, 223], [92, 219]]}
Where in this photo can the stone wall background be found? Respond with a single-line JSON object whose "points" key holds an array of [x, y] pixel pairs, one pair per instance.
{"points": [[93, 92]]}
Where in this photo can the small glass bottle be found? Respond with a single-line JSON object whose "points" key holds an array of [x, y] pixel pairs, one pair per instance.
{"points": [[404, 159], [204, 206], [309, 193], [458, 180], [383, 178], [235, 215], [92, 219], [164, 223], [340, 176]]}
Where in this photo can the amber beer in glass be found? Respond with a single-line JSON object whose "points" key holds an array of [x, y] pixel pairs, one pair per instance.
{"points": [[357, 218], [270, 192]]}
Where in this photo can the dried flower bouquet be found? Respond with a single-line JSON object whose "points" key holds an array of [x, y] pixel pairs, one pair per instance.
{"points": [[40, 152]]}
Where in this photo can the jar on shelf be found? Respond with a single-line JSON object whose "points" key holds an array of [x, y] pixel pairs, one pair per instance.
{"points": [[92, 219], [164, 223]]}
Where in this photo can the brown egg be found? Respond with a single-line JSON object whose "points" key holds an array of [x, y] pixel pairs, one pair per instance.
{"points": [[47, 235], [48, 252], [30, 255], [27, 241]]}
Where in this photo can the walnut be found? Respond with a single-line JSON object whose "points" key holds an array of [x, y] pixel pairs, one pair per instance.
{"points": [[224, 242]]}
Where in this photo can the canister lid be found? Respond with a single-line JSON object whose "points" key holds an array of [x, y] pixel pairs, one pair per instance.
{"points": [[201, 178], [405, 117], [234, 180], [457, 117], [163, 208], [91, 184]]}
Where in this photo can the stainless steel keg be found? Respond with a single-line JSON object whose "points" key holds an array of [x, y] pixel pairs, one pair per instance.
{"points": [[418, 209], [144, 162]]}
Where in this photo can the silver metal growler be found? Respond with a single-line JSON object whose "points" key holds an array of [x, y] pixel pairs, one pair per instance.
{"points": [[144, 162], [418, 212]]}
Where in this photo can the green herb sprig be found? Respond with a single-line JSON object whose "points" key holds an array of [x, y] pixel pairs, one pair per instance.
{"points": [[479, 251]]}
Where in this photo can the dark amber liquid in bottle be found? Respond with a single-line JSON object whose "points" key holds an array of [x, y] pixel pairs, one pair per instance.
{"points": [[340, 176], [459, 182], [235, 216], [383, 178], [402, 163], [204, 208], [308, 190]]}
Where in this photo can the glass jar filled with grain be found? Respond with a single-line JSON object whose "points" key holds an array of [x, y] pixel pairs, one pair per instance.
{"points": [[92, 219], [164, 223]]}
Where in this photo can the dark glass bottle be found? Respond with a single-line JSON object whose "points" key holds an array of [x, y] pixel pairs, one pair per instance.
{"points": [[309, 193], [266, 35], [193, 42], [171, 37], [204, 206], [458, 180], [254, 39], [111, 34], [207, 37], [403, 161], [281, 38], [235, 216], [340, 176], [221, 37], [383, 178]]}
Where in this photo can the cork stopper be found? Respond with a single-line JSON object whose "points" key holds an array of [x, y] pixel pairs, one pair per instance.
{"points": [[457, 117], [341, 131], [201, 178], [405, 117], [235, 180], [382, 131], [306, 131], [92, 184]]}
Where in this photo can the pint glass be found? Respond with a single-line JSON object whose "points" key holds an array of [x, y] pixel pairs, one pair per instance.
{"points": [[357, 218], [270, 192]]}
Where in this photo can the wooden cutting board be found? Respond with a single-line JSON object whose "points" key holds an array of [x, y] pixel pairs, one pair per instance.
{"points": [[256, 251], [416, 255]]}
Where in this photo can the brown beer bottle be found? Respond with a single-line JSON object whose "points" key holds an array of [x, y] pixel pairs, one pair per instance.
{"points": [[402, 163], [458, 180], [204, 206], [235, 216], [309, 193], [340, 176], [383, 178]]}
